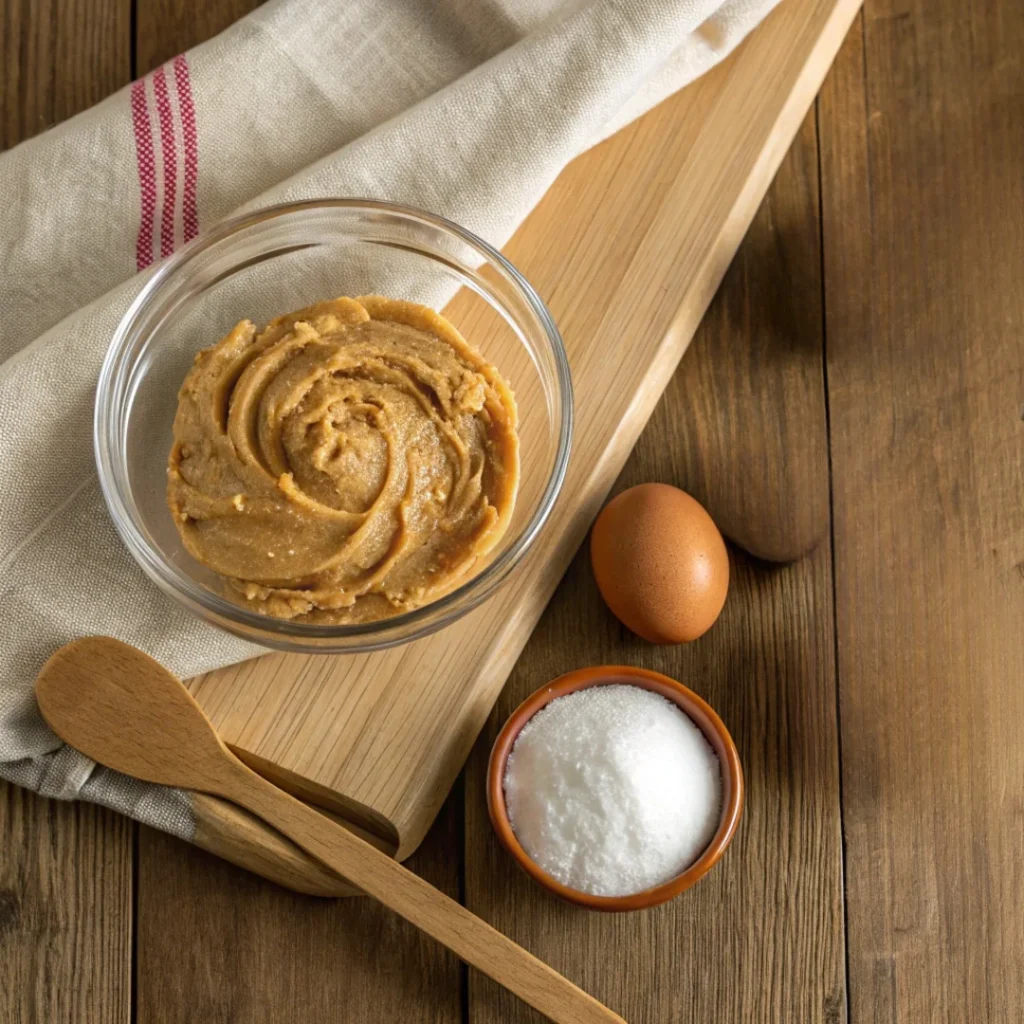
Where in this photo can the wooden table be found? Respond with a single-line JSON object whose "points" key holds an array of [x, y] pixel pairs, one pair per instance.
{"points": [[869, 341]]}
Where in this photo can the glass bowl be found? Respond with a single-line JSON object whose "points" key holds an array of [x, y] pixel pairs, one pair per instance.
{"points": [[286, 257]]}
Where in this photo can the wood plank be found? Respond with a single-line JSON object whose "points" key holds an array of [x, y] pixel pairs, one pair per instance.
{"points": [[65, 912], [922, 134], [761, 938], [215, 943], [165, 28], [66, 869], [649, 220], [58, 57]]}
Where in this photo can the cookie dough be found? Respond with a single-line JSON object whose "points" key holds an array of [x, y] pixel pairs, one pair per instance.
{"points": [[351, 461]]}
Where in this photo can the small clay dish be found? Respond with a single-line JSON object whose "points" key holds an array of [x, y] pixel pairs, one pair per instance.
{"points": [[701, 714]]}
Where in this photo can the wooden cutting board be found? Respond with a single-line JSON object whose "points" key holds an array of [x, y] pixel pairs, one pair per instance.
{"points": [[627, 248]]}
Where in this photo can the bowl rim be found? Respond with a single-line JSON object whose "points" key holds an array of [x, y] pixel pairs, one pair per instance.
{"points": [[702, 715], [285, 634]]}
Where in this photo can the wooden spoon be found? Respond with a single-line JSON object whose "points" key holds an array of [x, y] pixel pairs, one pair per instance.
{"points": [[126, 711]]}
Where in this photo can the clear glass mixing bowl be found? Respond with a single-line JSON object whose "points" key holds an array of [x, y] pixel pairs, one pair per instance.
{"points": [[284, 258]]}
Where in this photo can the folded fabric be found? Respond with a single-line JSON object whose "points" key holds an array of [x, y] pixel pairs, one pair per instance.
{"points": [[464, 108]]}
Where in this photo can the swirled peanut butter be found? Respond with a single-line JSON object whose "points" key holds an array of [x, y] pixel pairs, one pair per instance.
{"points": [[350, 461]]}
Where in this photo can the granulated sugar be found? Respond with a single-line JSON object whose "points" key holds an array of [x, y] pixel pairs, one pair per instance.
{"points": [[612, 790]]}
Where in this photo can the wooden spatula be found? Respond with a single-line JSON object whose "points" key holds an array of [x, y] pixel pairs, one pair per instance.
{"points": [[126, 711]]}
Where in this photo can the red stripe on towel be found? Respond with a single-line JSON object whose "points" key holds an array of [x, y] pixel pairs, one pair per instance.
{"points": [[170, 155], [190, 213], [147, 175]]}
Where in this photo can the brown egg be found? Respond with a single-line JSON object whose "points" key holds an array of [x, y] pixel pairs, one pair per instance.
{"points": [[660, 563]]}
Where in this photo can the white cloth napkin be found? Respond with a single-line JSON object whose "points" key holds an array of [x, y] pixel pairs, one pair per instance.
{"points": [[468, 108]]}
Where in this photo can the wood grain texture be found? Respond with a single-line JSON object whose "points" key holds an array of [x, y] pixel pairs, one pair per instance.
{"points": [[58, 57], [165, 28], [385, 735], [922, 134], [65, 912], [65, 869], [218, 944], [761, 938]]}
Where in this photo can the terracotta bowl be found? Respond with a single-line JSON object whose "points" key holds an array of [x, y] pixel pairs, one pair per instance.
{"points": [[692, 705]]}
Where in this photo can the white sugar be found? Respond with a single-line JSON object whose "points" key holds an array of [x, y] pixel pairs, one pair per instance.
{"points": [[613, 789]]}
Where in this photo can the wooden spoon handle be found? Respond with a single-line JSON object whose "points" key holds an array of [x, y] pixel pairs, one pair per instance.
{"points": [[430, 910]]}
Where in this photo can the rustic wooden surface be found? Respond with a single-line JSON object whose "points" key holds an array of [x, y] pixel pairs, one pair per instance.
{"points": [[922, 132], [65, 911], [871, 355]]}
